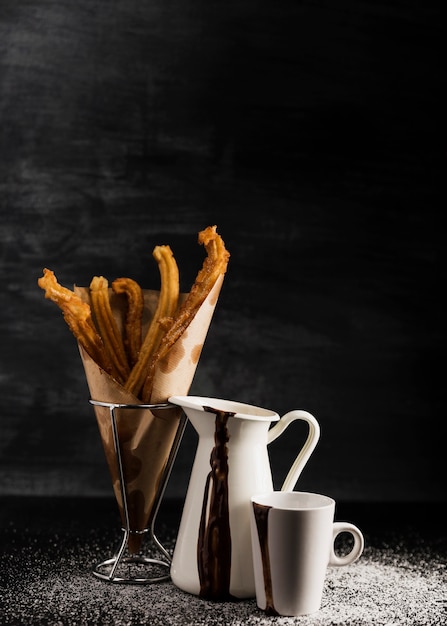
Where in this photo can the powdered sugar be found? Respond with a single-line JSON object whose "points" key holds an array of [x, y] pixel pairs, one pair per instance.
{"points": [[51, 584]]}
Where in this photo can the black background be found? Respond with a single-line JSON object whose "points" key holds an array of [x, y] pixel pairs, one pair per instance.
{"points": [[313, 135]]}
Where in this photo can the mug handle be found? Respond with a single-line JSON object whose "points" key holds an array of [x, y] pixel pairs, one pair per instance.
{"points": [[359, 542], [307, 449]]}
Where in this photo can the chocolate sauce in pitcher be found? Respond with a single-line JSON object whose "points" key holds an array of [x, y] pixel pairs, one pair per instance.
{"points": [[214, 540]]}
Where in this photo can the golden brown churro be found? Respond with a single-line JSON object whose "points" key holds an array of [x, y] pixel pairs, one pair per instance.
{"points": [[110, 333], [77, 315], [134, 315], [214, 265], [167, 305]]}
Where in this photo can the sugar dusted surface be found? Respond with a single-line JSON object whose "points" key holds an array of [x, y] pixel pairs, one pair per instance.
{"points": [[48, 581]]}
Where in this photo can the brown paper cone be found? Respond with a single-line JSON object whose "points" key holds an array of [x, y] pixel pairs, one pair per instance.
{"points": [[146, 438]]}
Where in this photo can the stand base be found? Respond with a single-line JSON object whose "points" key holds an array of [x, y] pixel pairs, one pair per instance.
{"points": [[140, 570], [135, 569]]}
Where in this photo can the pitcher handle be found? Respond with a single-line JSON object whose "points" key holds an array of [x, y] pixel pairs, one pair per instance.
{"points": [[306, 450]]}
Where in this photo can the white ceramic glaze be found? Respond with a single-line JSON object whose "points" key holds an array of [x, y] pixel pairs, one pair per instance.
{"points": [[248, 471], [300, 533]]}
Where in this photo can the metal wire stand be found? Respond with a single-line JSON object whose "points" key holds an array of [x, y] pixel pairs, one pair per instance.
{"points": [[107, 570]]}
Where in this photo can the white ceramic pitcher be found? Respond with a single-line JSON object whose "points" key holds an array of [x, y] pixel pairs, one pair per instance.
{"points": [[212, 556]]}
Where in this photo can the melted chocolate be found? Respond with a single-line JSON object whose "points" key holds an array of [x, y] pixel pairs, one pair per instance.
{"points": [[261, 516], [214, 540]]}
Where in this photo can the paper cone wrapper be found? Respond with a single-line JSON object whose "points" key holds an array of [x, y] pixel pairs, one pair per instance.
{"points": [[145, 437]]}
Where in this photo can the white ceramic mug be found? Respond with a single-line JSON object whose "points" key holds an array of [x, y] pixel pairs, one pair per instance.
{"points": [[293, 542]]}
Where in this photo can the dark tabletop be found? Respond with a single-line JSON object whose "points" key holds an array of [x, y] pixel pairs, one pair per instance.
{"points": [[50, 545]]}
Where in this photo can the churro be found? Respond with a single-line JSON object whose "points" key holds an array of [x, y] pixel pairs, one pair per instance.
{"points": [[214, 265], [108, 328], [162, 319], [133, 318], [77, 315]]}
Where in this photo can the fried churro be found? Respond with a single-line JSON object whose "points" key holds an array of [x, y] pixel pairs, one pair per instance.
{"points": [[133, 318], [108, 328], [77, 315], [162, 319], [214, 265]]}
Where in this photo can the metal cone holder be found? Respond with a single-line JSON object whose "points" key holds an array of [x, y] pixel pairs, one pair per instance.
{"points": [[156, 569]]}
